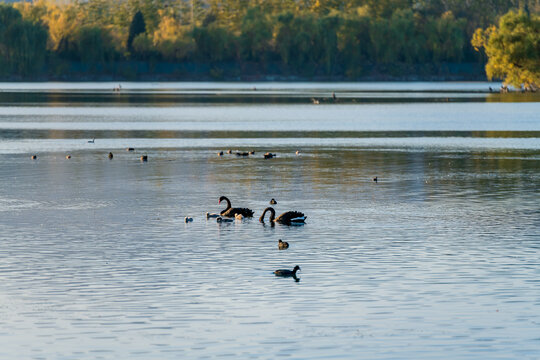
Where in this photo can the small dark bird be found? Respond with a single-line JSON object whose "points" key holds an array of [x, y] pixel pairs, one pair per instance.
{"points": [[273, 201], [229, 151], [252, 152], [34, 157], [282, 245], [220, 153], [269, 155], [144, 158], [287, 273], [130, 149], [188, 219], [91, 141], [242, 154], [375, 179], [208, 215], [68, 156], [111, 156], [223, 220]]}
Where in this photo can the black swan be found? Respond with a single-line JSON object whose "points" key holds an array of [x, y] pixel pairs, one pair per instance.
{"points": [[287, 273], [282, 245], [232, 212], [287, 218]]}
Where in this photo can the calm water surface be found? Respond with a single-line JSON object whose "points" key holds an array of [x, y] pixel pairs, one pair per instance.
{"points": [[438, 259]]}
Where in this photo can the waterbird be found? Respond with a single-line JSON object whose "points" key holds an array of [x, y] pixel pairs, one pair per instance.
{"points": [[34, 157], [144, 158], [287, 273], [273, 201], [252, 152], [220, 153], [91, 141], [242, 154], [223, 220], [209, 215], [287, 218], [315, 101], [68, 156], [297, 152], [130, 149], [375, 179], [111, 156], [282, 245], [188, 219], [269, 155], [229, 151], [231, 212]]}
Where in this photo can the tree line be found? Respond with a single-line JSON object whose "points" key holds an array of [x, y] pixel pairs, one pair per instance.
{"points": [[301, 37]]}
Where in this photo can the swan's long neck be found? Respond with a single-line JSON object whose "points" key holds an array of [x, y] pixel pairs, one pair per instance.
{"points": [[272, 214], [228, 204]]}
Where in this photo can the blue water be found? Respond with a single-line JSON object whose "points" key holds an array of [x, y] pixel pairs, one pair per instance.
{"points": [[437, 259]]}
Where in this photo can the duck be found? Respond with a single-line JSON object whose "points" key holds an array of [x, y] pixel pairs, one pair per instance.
{"points": [[92, 141], [229, 151], [269, 155], [223, 220], [315, 101], [220, 153], [273, 201], [144, 158], [130, 149], [375, 179], [297, 152], [211, 215], [242, 154], [252, 152], [111, 155], [282, 245], [188, 219], [287, 218], [231, 212], [287, 273], [34, 157], [68, 157]]}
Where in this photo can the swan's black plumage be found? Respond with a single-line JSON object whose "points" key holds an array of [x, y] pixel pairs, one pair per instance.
{"points": [[287, 218], [287, 273], [232, 212]]}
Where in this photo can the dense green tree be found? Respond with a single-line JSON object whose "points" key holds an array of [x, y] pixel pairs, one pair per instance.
{"points": [[513, 49], [256, 35], [137, 26]]}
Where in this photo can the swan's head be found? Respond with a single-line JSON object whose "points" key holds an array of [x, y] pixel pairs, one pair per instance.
{"points": [[222, 198]]}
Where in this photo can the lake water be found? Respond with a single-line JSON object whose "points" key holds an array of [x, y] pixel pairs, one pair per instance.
{"points": [[438, 259]]}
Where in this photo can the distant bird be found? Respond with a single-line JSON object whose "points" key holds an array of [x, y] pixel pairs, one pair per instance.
{"points": [[111, 156], [334, 96], [287, 218], [144, 158], [297, 152], [315, 101], [223, 220], [273, 201], [229, 151], [220, 153], [34, 157], [252, 152], [269, 155], [130, 149], [242, 154], [68, 157], [91, 141], [287, 273], [209, 215], [282, 245], [231, 212], [188, 219], [375, 179]]}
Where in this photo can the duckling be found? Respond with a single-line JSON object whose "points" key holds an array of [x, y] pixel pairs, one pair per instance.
{"points": [[287, 273], [269, 155], [239, 217], [188, 219], [213, 215], [68, 157], [282, 245], [34, 157], [273, 201], [144, 158], [130, 149], [220, 153], [111, 156], [224, 220]]}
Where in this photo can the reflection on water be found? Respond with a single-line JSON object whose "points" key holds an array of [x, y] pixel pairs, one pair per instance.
{"points": [[441, 254]]}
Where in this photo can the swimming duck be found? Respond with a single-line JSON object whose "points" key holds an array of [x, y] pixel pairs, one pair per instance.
{"points": [[223, 220], [188, 219], [273, 201], [68, 157], [34, 157], [220, 153], [144, 158], [242, 154], [130, 149], [111, 155], [287, 273], [282, 245], [91, 141], [375, 179], [287, 218], [209, 215], [231, 212], [269, 155]]}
